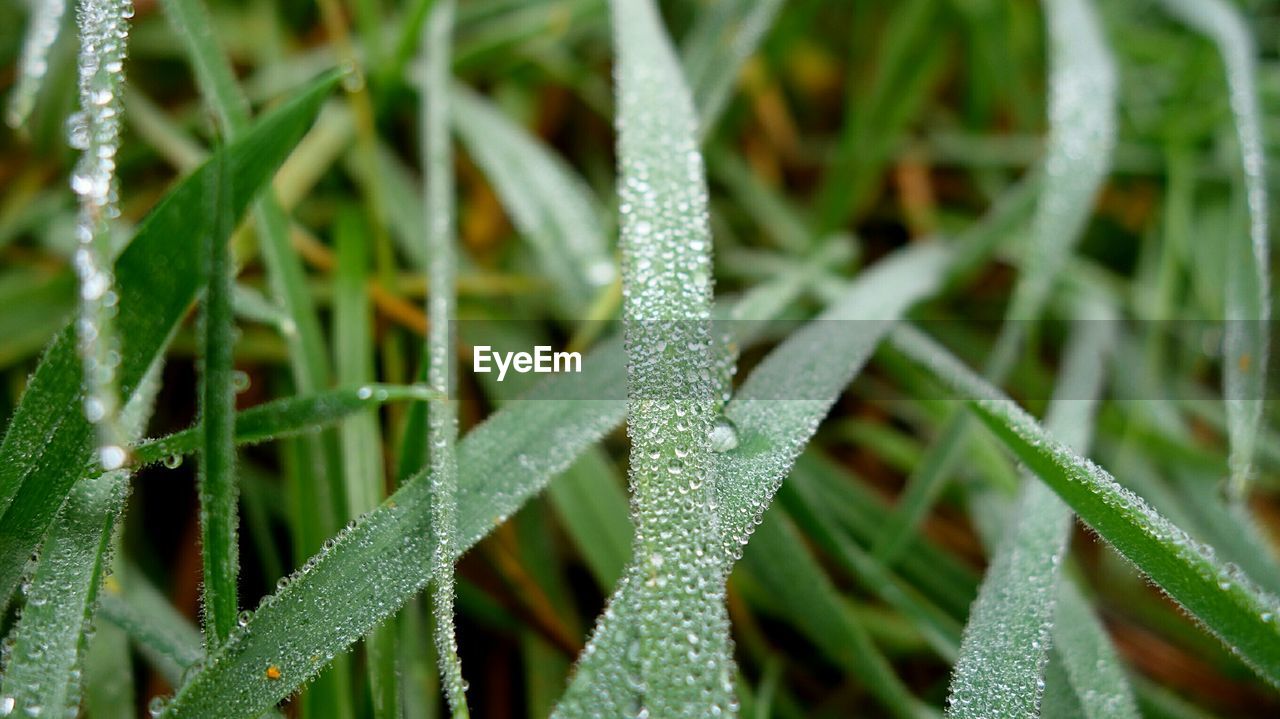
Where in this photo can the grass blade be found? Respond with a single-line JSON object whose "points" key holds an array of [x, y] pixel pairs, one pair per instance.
{"points": [[1006, 641], [771, 430], [216, 480], [95, 131], [308, 360], [1082, 129], [109, 691], [363, 468], [1219, 595], [681, 648], [42, 31], [42, 669], [47, 641], [379, 564], [724, 36], [1248, 305], [1092, 671], [550, 204], [778, 558], [281, 418], [170, 643], [46, 446], [1081, 137], [442, 415], [593, 507]]}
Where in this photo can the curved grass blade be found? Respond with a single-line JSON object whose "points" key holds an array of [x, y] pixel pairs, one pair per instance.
{"points": [[46, 445], [550, 204], [442, 370], [42, 31], [1224, 600], [1248, 304], [1006, 642], [1081, 136], [815, 363]]}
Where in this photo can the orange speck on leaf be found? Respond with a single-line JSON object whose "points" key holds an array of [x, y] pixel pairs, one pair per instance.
{"points": [[273, 672], [1245, 361]]}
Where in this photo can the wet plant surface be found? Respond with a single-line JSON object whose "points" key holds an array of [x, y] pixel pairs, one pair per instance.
{"points": [[911, 359]]}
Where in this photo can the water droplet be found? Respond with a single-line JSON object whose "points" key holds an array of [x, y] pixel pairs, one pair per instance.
{"points": [[724, 436], [112, 457]]}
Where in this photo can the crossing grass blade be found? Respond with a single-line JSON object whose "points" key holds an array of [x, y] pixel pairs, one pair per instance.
{"points": [[1006, 643], [385, 558], [772, 417], [1081, 136], [1220, 596], [1248, 305], [46, 445], [349, 588]]}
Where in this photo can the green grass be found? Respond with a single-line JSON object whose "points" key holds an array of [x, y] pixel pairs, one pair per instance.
{"points": [[254, 472]]}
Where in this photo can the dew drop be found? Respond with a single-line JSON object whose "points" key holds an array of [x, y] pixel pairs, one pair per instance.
{"points": [[724, 436]]}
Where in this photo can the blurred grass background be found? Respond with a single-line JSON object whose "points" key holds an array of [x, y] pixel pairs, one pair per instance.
{"points": [[858, 127]]}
